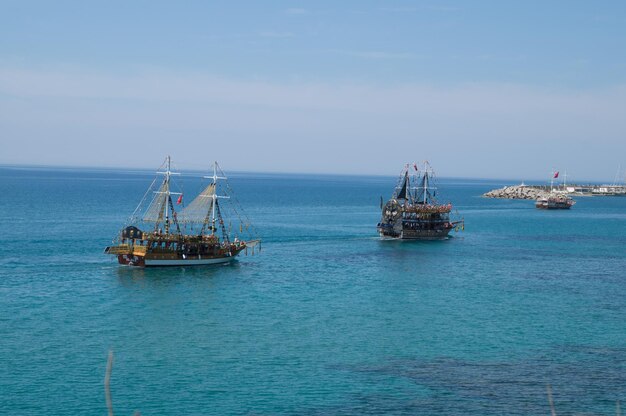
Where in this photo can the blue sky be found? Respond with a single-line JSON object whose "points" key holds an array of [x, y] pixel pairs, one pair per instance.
{"points": [[483, 89]]}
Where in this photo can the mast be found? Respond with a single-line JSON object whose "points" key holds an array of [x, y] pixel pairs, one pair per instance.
{"points": [[408, 188], [616, 180], [415, 189], [166, 188], [214, 198], [422, 194], [167, 204], [204, 208], [166, 201], [425, 184], [214, 195]]}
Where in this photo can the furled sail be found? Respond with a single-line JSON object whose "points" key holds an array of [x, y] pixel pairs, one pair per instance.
{"points": [[198, 210], [156, 210], [403, 192], [423, 196]]}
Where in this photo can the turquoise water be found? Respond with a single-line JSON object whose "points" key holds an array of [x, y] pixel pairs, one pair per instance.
{"points": [[327, 320]]}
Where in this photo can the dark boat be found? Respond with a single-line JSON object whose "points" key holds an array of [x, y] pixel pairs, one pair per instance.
{"points": [[554, 201], [413, 213]]}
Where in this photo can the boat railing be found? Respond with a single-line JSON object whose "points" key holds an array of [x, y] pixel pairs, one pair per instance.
{"points": [[429, 209], [140, 249], [180, 238], [161, 237], [118, 249]]}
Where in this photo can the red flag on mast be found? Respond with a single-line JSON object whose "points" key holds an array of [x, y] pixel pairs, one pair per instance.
{"points": [[180, 199], [556, 175]]}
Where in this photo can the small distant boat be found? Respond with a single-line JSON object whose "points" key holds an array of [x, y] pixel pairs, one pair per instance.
{"points": [[413, 213], [554, 201], [196, 235]]}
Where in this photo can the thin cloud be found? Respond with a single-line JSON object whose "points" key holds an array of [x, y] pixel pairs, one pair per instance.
{"points": [[491, 128], [76, 83], [444, 8]]}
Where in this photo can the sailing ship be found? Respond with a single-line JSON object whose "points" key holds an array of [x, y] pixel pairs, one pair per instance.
{"points": [[194, 235], [413, 213]]}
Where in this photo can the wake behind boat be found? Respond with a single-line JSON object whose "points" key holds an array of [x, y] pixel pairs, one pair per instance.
{"points": [[197, 235], [413, 213]]}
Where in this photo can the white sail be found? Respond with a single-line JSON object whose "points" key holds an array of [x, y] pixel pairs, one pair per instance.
{"points": [[158, 206], [198, 211]]}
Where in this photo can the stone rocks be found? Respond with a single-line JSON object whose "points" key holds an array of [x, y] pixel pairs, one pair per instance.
{"points": [[516, 192]]}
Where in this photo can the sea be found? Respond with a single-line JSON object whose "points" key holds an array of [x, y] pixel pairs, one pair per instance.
{"points": [[326, 319]]}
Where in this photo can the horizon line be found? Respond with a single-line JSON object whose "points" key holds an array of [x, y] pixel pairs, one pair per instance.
{"points": [[186, 171]]}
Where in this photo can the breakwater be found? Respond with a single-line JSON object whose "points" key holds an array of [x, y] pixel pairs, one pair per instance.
{"points": [[535, 191], [518, 192]]}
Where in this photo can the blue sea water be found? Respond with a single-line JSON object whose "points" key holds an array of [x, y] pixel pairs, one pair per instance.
{"points": [[327, 320]]}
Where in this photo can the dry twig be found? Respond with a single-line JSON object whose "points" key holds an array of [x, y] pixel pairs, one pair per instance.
{"points": [[107, 383], [552, 410]]}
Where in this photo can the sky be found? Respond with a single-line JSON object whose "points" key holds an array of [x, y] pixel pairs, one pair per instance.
{"points": [[486, 89]]}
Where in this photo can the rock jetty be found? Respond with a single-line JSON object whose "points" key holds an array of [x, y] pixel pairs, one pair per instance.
{"points": [[516, 192]]}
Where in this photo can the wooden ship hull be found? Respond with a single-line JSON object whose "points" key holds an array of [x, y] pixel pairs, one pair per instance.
{"points": [[540, 205], [549, 203], [140, 256], [408, 232], [179, 261]]}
